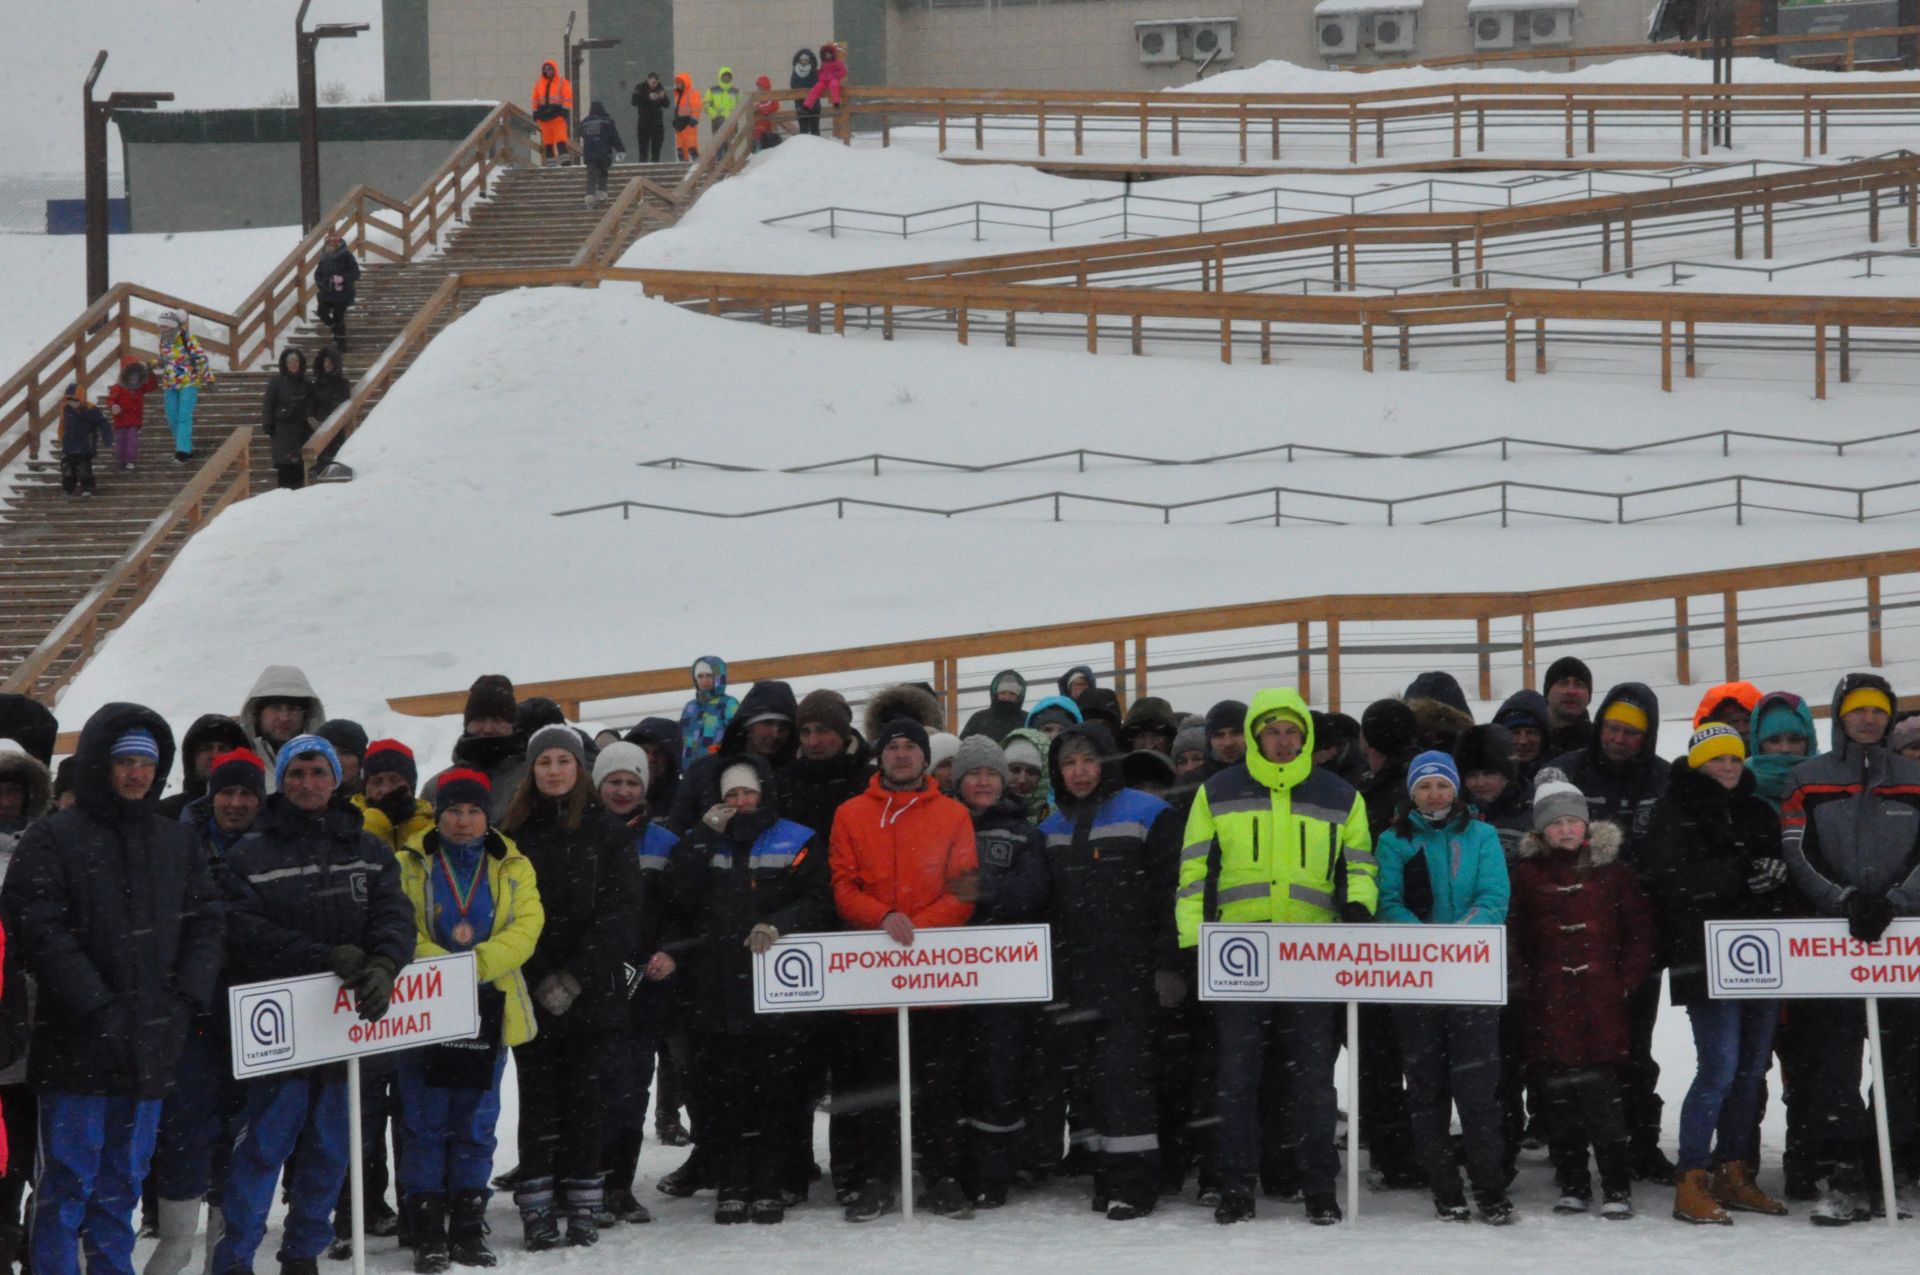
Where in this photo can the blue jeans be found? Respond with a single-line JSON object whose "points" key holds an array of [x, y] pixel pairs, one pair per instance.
{"points": [[1733, 1042], [448, 1139], [299, 1121], [93, 1158], [179, 406]]}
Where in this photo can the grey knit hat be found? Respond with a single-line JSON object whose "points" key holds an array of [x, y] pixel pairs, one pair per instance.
{"points": [[978, 752], [1191, 738], [1556, 799], [563, 737]]}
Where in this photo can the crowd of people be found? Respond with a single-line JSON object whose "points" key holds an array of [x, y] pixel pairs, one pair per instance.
{"points": [[614, 889]]}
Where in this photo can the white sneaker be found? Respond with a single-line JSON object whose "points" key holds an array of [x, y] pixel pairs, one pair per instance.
{"points": [[1571, 1204], [1617, 1207]]}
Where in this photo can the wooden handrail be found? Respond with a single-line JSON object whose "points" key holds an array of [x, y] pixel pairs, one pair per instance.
{"points": [[1740, 44], [347, 417], [228, 464], [1332, 610]]}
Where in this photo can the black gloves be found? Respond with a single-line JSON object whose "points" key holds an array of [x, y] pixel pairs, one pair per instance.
{"points": [[1355, 913], [373, 989], [346, 962], [1868, 915]]}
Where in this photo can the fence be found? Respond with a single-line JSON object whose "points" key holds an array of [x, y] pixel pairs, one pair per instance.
{"points": [[1846, 56], [1330, 612]]}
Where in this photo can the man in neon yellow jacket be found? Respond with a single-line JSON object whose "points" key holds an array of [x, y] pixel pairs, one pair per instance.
{"points": [[1273, 840]]}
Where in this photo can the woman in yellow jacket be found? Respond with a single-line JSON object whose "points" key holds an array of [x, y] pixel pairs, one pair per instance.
{"points": [[472, 891]]}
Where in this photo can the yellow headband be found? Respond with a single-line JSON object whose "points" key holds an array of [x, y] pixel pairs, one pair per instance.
{"points": [[1626, 714], [1866, 697]]}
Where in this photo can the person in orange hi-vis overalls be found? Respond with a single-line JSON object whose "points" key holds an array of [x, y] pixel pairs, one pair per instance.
{"points": [[552, 102], [686, 117]]}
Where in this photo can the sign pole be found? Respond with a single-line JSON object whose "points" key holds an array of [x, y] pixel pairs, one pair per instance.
{"points": [[906, 1117], [355, 1174], [1353, 1113], [1880, 1111]]}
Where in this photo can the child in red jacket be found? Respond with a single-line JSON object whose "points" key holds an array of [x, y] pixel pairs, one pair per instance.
{"points": [[127, 409], [1581, 938]]}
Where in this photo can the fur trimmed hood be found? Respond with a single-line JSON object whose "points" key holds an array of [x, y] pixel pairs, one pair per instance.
{"points": [[1437, 724], [1603, 846], [904, 700]]}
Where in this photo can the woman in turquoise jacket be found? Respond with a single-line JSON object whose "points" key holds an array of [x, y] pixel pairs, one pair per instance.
{"points": [[1441, 866]]}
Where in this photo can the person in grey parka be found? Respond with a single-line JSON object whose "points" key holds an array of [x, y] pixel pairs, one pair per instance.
{"points": [[284, 415]]}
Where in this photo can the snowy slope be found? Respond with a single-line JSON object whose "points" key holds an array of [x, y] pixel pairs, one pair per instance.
{"points": [[1279, 76], [207, 53]]}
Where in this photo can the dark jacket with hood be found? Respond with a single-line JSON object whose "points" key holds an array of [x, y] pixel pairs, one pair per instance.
{"points": [[327, 385], [28, 723], [996, 720], [1623, 795], [1113, 863], [1707, 841], [762, 869], [1852, 821], [1066, 679], [803, 73], [600, 136], [225, 734], [336, 275], [1528, 708], [1772, 772], [651, 101], [590, 888], [1489, 750], [809, 791], [664, 735], [1148, 715], [702, 778], [287, 405], [120, 925]]}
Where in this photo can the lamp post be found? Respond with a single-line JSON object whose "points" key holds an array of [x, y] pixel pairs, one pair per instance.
{"points": [[576, 55], [305, 44], [95, 162]]}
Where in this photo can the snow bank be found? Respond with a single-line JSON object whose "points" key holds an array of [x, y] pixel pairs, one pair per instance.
{"points": [[1280, 76]]}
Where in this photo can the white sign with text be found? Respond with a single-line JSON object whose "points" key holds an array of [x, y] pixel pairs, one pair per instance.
{"points": [[865, 969], [1403, 964], [291, 1023]]}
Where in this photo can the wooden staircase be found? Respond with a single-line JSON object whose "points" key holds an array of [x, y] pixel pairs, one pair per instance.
{"points": [[56, 550]]}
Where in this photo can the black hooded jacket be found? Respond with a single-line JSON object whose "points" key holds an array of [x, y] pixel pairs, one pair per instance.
{"points": [[590, 888], [119, 924], [225, 734], [700, 786], [327, 384], [664, 735], [804, 71], [28, 723], [286, 406], [599, 136], [810, 791], [1623, 795]]}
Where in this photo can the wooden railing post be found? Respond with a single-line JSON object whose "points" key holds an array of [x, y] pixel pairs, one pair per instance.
{"points": [[1682, 644], [1333, 664], [1527, 649], [1303, 659], [1120, 673], [1730, 615], [1140, 667], [1482, 632], [1875, 655]]}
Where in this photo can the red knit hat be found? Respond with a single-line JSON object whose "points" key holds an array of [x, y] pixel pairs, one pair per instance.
{"points": [[390, 756], [238, 768], [461, 785]]}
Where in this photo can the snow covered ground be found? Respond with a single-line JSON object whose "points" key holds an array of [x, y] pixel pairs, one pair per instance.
{"points": [[47, 274]]}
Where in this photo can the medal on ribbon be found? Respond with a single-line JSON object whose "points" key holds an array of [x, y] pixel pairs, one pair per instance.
{"points": [[462, 933]]}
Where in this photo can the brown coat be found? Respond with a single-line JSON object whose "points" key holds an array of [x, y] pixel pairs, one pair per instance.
{"points": [[1580, 939]]}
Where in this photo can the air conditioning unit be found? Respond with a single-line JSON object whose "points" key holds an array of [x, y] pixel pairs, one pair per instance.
{"points": [[1393, 31], [1550, 26], [1212, 38], [1158, 42], [1493, 30], [1337, 34]]}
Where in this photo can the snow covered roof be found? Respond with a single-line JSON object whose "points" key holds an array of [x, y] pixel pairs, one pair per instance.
{"points": [[1483, 6], [1326, 7]]}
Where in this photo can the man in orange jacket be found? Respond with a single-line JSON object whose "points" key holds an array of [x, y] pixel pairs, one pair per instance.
{"points": [[686, 118], [898, 852], [552, 103]]}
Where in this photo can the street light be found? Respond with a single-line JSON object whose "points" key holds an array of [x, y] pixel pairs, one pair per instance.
{"points": [[305, 43], [575, 56], [96, 115]]}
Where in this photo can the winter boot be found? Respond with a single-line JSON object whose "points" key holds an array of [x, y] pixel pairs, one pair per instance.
{"points": [[695, 1174], [1323, 1209], [430, 1252], [1734, 1188], [1650, 1164], [1234, 1206], [534, 1198], [177, 1222], [299, 1266], [1450, 1205], [1617, 1204], [467, 1230], [671, 1133], [581, 1200], [1693, 1201]]}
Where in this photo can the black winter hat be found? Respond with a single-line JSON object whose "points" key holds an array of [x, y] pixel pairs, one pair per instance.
{"points": [[1485, 748], [1097, 703], [1567, 666], [1332, 729], [1388, 727], [1440, 686], [346, 736], [1228, 714], [902, 728], [825, 708], [533, 713], [238, 768], [491, 699]]}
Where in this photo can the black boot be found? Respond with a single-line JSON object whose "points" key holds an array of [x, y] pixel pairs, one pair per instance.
{"points": [[467, 1230], [429, 1210], [581, 1200], [534, 1196]]}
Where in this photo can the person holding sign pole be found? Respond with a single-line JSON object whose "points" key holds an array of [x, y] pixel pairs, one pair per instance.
{"points": [[898, 851], [1580, 940], [1852, 842], [589, 880], [734, 885], [472, 891], [309, 890], [1271, 839], [1713, 854], [116, 919], [1113, 856], [1439, 865]]}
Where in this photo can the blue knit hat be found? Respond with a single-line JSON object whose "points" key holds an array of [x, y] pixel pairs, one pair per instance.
{"points": [[299, 746], [1431, 764], [138, 742]]}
